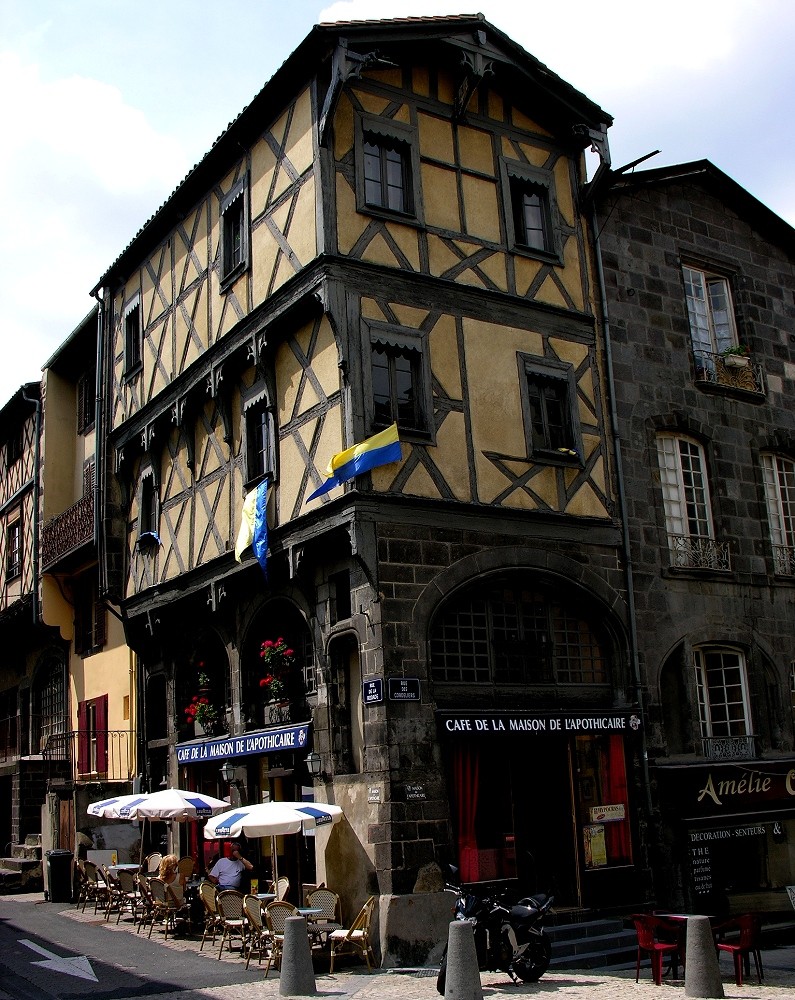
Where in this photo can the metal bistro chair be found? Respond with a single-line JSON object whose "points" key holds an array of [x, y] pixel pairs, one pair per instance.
{"points": [[230, 915], [147, 903], [97, 887], [208, 894], [276, 913], [130, 898], [357, 936], [322, 924], [185, 867], [166, 906], [280, 888], [257, 932]]}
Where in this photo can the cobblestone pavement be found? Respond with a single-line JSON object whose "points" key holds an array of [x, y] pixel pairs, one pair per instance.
{"points": [[353, 981]]}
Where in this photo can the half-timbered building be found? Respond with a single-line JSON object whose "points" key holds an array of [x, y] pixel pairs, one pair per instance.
{"points": [[390, 233]]}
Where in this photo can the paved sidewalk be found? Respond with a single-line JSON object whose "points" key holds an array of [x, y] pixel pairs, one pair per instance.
{"points": [[353, 980]]}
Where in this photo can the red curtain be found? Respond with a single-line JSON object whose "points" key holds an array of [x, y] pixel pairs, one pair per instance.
{"points": [[614, 791], [465, 779]]}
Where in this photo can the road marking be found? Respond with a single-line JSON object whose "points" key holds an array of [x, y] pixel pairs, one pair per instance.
{"points": [[78, 965]]}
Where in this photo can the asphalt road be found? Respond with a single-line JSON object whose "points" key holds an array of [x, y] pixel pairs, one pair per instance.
{"points": [[45, 954]]}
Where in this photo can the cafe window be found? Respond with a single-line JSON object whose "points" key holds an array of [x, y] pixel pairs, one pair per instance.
{"points": [[602, 801]]}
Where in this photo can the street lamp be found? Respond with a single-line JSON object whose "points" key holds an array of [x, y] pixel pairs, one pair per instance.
{"points": [[314, 764], [228, 771]]}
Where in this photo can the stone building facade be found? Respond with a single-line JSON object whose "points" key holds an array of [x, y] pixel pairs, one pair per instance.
{"points": [[699, 283]]}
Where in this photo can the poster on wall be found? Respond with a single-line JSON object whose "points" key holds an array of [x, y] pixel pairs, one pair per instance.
{"points": [[594, 846]]}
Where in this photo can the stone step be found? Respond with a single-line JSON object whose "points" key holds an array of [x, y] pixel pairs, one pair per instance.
{"points": [[27, 851], [20, 864], [593, 944]]}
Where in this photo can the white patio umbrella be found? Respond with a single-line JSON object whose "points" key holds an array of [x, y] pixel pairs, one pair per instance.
{"points": [[271, 819], [166, 804]]}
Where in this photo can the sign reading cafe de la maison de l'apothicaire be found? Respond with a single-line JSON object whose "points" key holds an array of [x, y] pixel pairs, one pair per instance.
{"points": [[540, 723]]}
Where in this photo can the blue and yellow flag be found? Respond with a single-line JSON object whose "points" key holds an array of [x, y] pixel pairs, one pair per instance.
{"points": [[254, 526], [380, 449]]}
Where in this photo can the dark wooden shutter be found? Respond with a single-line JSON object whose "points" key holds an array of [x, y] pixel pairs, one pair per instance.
{"points": [[82, 738], [102, 733]]}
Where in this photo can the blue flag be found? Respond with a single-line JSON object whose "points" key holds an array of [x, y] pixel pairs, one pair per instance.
{"points": [[254, 526]]}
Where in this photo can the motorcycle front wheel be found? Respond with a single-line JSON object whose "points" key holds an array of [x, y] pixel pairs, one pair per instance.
{"points": [[531, 962], [441, 979]]}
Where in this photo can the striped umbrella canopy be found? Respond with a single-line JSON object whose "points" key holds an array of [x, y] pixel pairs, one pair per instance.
{"points": [[166, 804], [271, 819]]}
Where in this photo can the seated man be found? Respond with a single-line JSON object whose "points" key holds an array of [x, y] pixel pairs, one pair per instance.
{"points": [[227, 873]]}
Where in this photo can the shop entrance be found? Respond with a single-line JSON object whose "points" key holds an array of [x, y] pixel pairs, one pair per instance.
{"points": [[514, 816]]}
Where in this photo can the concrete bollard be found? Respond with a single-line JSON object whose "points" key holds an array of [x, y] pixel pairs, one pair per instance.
{"points": [[702, 972], [296, 976], [463, 976]]}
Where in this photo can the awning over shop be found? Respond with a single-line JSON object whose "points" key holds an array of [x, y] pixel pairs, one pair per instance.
{"points": [[279, 740]]}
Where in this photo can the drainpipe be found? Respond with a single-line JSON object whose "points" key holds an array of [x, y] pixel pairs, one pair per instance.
{"points": [[622, 503], [36, 501]]}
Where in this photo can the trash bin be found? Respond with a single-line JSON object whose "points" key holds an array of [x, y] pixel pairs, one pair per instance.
{"points": [[59, 875]]}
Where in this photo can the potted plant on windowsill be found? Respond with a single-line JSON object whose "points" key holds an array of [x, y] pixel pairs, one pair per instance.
{"points": [[278, 660], [201, 711], [736, 357]]}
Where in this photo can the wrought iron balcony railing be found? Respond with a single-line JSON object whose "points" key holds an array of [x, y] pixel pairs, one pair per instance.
{"points": [[103, 754], [729, 371], [68, 530], [729, 747], [784, 560], [696, 552]]}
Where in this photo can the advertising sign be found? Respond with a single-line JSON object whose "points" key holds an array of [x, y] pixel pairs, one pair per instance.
{"points": [[607, 814], [265, 741]]}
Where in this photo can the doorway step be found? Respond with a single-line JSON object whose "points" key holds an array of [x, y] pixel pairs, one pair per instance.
{"points": [[22, 872], [593, 944]]}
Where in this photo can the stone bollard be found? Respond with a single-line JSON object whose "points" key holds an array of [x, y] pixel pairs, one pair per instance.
{"points": [[296, 976], [463, 976], [702, 972]]}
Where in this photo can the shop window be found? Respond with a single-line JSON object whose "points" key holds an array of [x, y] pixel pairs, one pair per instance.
{"points": [[510, 634], [339, 596], [778, 477], [400, 379], [686, 501], [387, 169], [133, 346], [92, 736], [234, 233], [603, 801]]}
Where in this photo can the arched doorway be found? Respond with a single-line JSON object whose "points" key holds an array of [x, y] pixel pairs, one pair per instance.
{"points": [[524, 678]]}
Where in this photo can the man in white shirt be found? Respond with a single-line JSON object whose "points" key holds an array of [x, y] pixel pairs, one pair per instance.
{"points": [[227, 873]]}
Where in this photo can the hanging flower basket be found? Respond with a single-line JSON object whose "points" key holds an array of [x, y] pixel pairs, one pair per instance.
{"points": [[278, 660], [201, 711]]}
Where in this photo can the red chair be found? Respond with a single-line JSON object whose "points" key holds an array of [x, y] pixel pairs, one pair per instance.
{"points": [[747, 944], [648, 928]]}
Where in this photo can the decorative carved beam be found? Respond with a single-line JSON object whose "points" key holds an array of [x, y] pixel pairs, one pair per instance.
{"points": [[215, 378], [181, 417], [476, 68], [345, 64]]}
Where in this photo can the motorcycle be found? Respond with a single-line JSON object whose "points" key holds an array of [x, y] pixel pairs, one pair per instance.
{"points": [[508, 938]]}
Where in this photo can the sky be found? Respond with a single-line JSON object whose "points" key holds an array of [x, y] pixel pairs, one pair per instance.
{"points": [[107, 105]]}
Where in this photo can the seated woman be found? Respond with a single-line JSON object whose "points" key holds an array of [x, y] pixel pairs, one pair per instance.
{"points": [[171, 876]]}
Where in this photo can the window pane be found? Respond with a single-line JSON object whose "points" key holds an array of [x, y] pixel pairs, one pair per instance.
{"points": [[550, 413], [722, 692], [532, 216], [382, 399], [404, 391]]}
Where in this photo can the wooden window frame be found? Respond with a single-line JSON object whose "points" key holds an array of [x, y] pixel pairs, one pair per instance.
{"points": [[86, 398], [14, 547], [133, 338], [533, 369], [90, 617], [386, 133], [235, 240], [707, 335], [92, 736], [517, 178], [258, 411], [396, 341]]}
